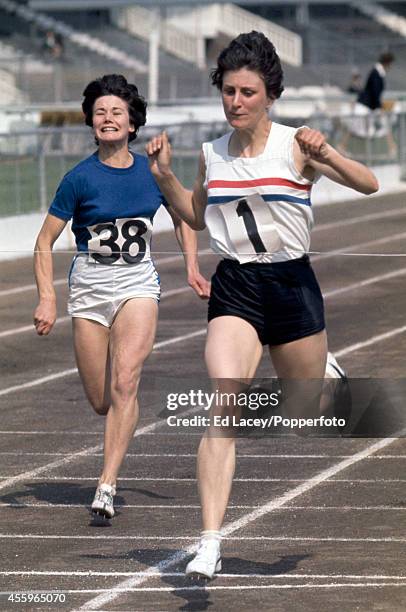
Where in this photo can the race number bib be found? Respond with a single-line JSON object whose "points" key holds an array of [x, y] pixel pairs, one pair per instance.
{"points": [[250, 226], [127, 241]]}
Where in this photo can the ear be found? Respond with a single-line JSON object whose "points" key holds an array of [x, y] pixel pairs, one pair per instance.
{"points": [[270, 103], [131, 128]]}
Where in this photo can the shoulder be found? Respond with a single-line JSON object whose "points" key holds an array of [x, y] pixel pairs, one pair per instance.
{"points": [[218, 145], [81, 169], [141, 165]]}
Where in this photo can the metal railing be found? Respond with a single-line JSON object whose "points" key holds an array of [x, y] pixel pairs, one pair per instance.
{"points": [[32, 162]]}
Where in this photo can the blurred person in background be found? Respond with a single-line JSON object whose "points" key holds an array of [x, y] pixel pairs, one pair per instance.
{"points": [[371, 118]]}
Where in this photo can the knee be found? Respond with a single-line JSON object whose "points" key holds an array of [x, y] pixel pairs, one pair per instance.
{"points": [[125, 383]]}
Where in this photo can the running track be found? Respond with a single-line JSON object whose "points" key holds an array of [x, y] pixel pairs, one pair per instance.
{"points": [[314, 524]]}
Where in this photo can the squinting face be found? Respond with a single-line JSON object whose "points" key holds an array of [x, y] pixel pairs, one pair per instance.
{"points": [[111, 121], [245, 100]]}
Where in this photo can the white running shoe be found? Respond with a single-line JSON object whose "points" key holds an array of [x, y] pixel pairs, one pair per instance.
{"points": [[103, 501], [338, 390], [333, 369], [207, 560]]}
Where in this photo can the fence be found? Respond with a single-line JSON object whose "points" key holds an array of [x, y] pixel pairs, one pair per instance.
{"points": [[33, 162]]}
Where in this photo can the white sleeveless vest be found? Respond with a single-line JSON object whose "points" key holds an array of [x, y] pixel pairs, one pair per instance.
{"points": [[258, 208]]}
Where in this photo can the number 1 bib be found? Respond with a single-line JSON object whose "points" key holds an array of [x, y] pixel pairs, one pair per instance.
{"points": [[250, 227], [125, 241]]}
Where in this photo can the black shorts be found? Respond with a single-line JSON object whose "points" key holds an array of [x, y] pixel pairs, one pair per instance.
{"points": [[282, 300]]}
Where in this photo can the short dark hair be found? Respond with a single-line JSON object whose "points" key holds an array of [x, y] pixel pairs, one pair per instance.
{"points": [[386, 58], [116, 85], [255, 52]]}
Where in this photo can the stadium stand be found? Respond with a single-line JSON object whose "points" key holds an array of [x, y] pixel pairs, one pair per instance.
{"points": [[81, 39], [335, 39]]}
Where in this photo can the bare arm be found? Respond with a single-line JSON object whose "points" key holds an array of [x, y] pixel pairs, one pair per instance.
{"points": [[190, 206], [187, 240], [313, 154], [45, 313]]}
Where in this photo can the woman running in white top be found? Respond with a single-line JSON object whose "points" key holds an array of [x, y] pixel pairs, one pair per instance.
{"points": [[253, 193]]}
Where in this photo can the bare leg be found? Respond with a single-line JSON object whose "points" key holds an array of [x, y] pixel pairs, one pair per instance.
{"points": [[91, 344], [233, 351], [298, 361], [121, 350], [131, 341]]}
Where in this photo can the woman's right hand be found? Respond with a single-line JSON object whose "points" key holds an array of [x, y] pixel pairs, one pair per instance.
{"points": [[159, 155], [45, 317]]}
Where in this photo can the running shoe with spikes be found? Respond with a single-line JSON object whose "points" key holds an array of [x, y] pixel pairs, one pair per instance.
{"points": [[207, 560], [103, 501]]}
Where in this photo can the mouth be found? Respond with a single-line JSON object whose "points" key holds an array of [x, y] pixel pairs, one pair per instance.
{"points": [[109, 129]]}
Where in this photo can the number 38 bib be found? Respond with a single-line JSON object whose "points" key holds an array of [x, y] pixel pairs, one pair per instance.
{"points": [[244, 228], [125, 241]]}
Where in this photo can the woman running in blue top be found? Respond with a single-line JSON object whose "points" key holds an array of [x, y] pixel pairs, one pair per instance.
{"points": [[111, 198]]}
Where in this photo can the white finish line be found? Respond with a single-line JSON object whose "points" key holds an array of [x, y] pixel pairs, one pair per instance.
{"points": [[193, 480], [191, 549], [289, 576]]}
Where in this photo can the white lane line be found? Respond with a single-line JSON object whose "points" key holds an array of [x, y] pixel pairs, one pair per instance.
{"points": [[361, 245], [185, 480], [273, 504], [286, 576], [365, 283], [183, 554], [42, 505], [169, 589], [191, 455], [378, 338], [95, 433], [70, 371], [51, 433], [31, 287], [38, 381], [30, 328], [360, 219]]}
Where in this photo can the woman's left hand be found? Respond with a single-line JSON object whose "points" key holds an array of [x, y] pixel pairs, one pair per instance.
{"points": [[313, 144], [159, 154], [199, 284]]}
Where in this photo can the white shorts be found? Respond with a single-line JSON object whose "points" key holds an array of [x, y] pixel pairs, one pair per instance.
{"points": [[98, 291]]}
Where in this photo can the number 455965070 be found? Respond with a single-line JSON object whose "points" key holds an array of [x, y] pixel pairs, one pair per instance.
{"points": [[37, 597]]}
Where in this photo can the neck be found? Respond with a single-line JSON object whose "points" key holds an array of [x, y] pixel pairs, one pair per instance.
{"points": [[117, 156], [252, 142]]}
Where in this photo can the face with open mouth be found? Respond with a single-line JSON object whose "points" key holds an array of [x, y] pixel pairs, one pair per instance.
{"points": [[111, 120]]}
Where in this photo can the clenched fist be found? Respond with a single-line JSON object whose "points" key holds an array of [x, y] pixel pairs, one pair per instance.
{"points": [[313, 144], [45, 317], [159, 155]]}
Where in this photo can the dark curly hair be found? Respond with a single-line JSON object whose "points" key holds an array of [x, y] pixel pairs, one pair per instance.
{"points": [[255, 52], [116, 85]]}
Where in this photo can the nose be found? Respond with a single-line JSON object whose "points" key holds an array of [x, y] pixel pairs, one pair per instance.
{"points": [[108, 116], [236, 99]]}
